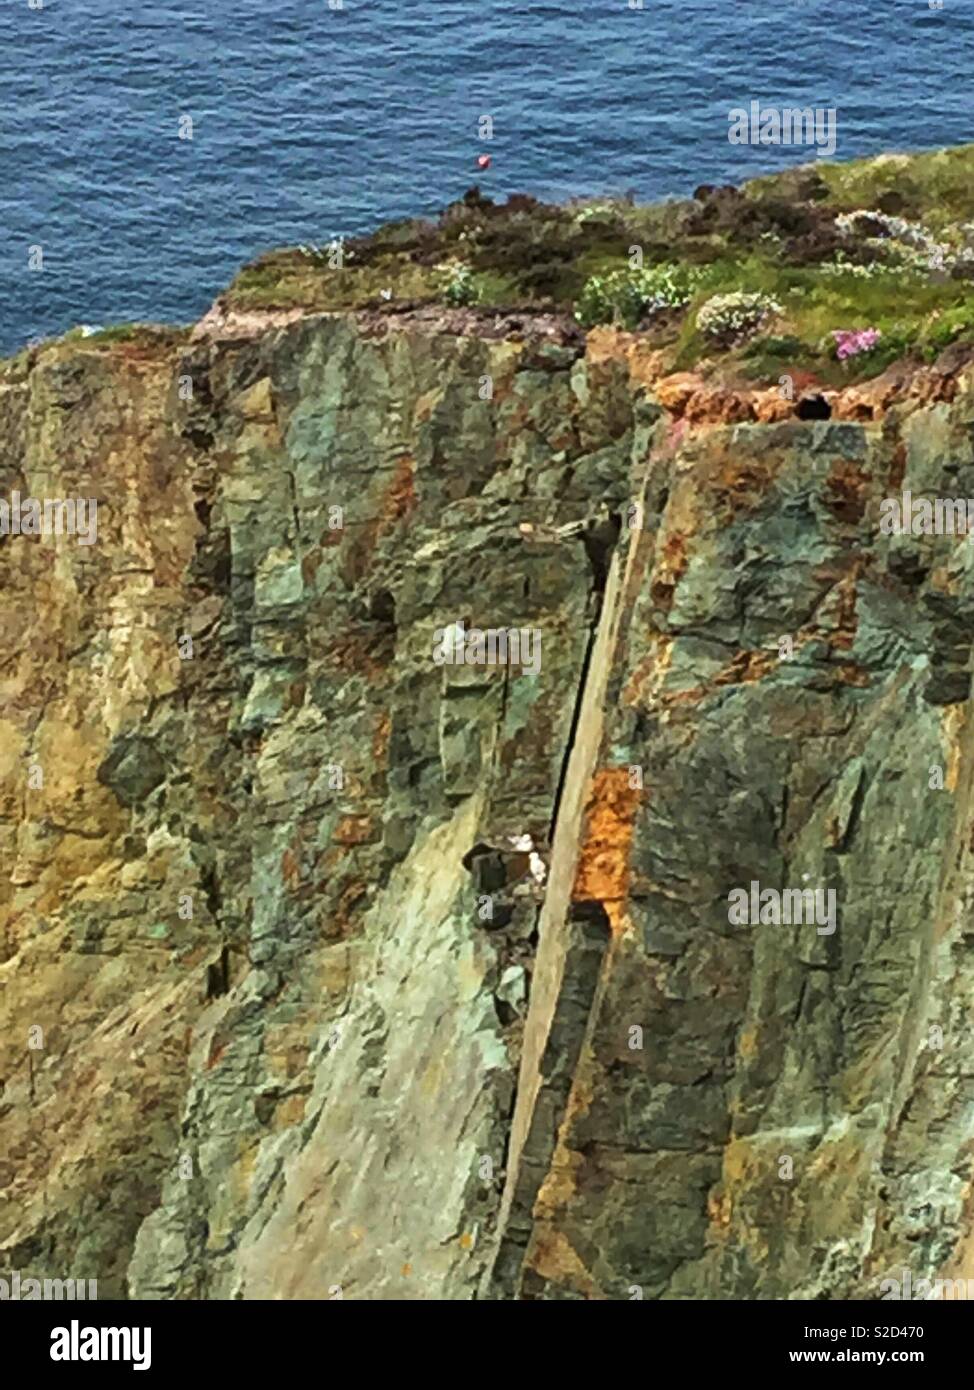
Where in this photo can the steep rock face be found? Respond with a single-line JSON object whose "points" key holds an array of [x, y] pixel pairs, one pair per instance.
{"points": [[794, 1119], [306, 1025]]}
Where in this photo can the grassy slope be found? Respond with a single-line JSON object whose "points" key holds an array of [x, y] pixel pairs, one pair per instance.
{"points": [[774, 234]]}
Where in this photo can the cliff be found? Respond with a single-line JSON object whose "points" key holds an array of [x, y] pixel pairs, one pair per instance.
{"points": [[290, 1009]]}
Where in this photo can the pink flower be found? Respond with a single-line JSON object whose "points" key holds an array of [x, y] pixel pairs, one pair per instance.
{"points": [[849, 342]]}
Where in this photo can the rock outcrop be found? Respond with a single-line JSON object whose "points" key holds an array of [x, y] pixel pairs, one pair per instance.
{"points": [[286, 1011]]}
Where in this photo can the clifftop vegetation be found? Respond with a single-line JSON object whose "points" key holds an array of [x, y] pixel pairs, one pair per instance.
{"points": [[830, 270], [800, 240]]}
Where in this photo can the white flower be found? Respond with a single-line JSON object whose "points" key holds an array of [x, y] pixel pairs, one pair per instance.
{"points": [[735, 315], [461, 289], [912, 247]]}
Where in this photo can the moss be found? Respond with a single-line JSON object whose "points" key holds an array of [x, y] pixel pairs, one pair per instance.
{"points": [[937, 187], [289, 279], [136, 339], [137, 334]]}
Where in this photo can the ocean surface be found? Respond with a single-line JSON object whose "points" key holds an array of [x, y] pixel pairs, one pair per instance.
{"points": [[309, 121]]}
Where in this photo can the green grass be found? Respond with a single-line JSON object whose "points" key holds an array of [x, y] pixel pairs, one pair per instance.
{"points": [[140, 334], [140, 338], [285, 279], [936, 188], [914, 315]]}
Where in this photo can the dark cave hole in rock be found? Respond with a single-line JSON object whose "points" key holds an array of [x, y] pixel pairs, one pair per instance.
{"points": [[382, 608], [599, 541], [590, 915], [814, 408], [486, 865], [506, 1015], [218, 976]]}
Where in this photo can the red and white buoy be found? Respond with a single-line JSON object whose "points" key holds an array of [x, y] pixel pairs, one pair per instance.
{"points": [[483, 161]]}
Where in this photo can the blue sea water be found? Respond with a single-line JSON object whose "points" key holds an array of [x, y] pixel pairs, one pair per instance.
{"points": [[310, 121]]}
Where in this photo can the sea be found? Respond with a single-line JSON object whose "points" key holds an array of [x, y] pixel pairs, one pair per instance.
{"points": [[311, 119]]}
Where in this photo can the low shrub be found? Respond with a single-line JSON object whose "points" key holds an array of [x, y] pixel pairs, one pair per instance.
{"points": [[461, 289], [629, 296], [730, 318]]}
